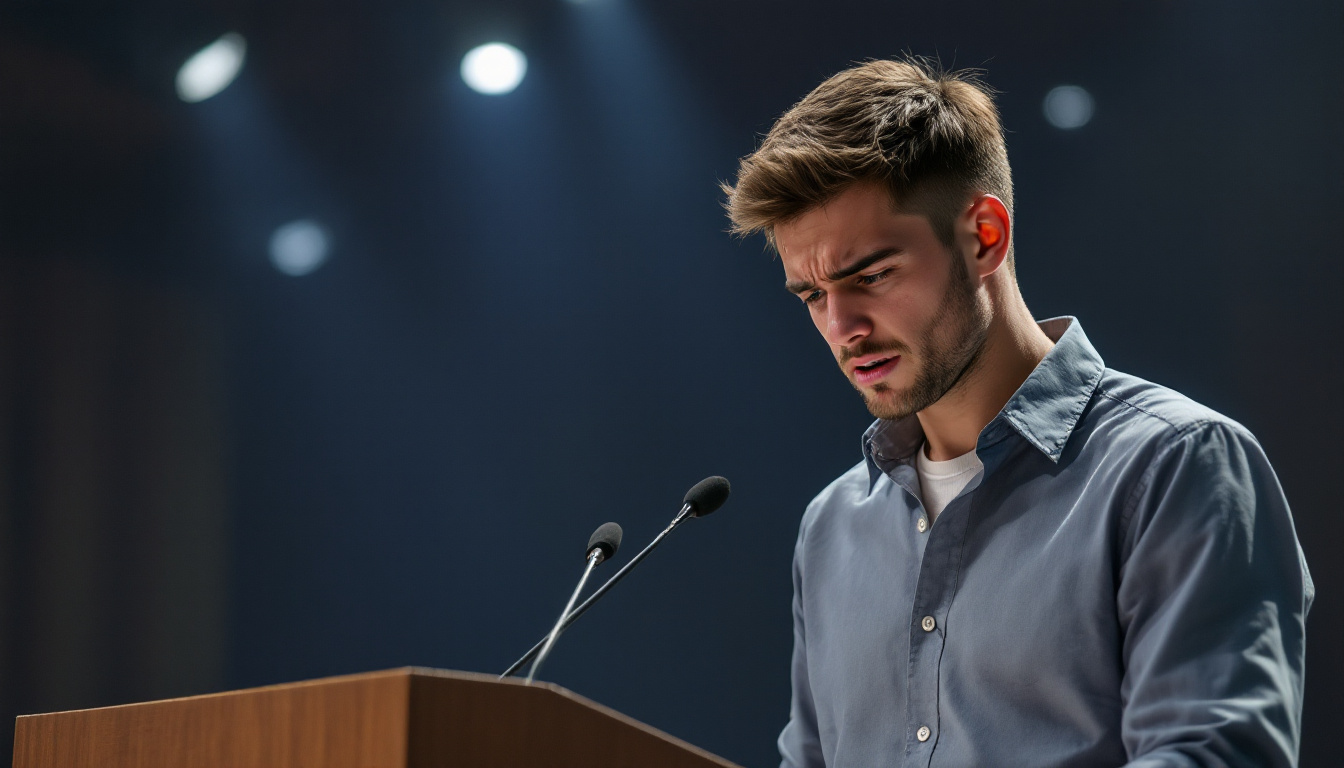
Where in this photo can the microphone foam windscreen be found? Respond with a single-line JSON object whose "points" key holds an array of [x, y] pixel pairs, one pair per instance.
{"points": [[608, 537], [707, 495]]}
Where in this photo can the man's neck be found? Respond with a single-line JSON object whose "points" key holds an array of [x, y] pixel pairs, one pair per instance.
{"points": [[1013, 348]]}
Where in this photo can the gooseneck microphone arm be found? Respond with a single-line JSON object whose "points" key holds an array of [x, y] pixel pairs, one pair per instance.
{"points": [[564, 623], [707, 496], [601, 546], [594, 557]]}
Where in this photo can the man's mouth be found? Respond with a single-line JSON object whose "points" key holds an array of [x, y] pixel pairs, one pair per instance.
{"points": [[874, 370]]}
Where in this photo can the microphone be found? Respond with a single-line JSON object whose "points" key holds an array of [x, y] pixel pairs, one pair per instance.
{"points": [[601, 546], [706, 496], [703, 499], [607, 538]]}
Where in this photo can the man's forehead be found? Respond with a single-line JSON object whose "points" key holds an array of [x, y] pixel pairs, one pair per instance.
{"points": [[805, 259], [856, 222], [818, 241], [822, 223]]}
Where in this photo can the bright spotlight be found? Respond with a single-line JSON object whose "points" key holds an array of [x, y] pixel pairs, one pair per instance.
{"points": [[211, 69], [299, 247], [494, 68], [1068, 107]]}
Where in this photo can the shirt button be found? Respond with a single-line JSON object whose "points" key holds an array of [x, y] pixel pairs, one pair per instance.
{"points": [[923, 733], [922, 525], [928, 624]]}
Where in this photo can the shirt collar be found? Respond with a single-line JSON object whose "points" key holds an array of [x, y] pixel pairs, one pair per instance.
{"points": [[1044, 410]]}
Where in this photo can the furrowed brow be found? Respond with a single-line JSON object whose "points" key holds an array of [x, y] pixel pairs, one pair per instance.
{"points": [[800, 286], [862, 264]]}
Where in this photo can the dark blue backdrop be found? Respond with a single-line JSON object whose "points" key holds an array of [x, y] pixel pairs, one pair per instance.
{"points": [[532, 321]]}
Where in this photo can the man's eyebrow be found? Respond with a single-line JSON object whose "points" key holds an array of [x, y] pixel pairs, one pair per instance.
{"points": [[799, 286]]}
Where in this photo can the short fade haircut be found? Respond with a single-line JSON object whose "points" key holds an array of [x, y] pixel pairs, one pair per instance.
{"points": [[932, 137]]}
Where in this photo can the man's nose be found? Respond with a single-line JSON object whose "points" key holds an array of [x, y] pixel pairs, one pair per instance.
{"points": [[846, 323]]}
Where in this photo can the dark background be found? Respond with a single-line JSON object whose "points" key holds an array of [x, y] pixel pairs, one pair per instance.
{"points": [[214, 475]]}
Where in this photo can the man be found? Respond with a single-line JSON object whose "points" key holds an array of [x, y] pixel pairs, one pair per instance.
{"points": [[1040, 561]]}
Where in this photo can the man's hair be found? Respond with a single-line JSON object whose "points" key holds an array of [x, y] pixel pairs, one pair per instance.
{"points": [[932, 137]]}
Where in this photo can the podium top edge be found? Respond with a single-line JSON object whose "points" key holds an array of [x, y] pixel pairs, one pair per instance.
{"points": [[407, 672]]}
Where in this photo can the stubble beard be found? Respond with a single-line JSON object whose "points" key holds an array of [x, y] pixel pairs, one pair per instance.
{"points": [[949, 348]]}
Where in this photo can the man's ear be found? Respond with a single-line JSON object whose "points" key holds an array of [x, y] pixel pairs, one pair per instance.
{"points": [[986, 228]]}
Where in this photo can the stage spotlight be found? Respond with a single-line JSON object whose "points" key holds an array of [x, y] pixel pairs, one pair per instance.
{"points": [[494, 68], [299, 247], [211, 69], [1068, 107]]}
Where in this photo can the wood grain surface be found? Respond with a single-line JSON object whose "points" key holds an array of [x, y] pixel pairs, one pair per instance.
{"points": [[480, 722], [405, 717]]}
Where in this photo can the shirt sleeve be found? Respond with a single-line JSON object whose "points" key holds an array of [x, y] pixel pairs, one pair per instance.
{"points": [[1212, 601], [799, 743]]}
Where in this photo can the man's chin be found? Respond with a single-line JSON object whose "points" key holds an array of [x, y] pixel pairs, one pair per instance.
{"points": [[884, 402]]}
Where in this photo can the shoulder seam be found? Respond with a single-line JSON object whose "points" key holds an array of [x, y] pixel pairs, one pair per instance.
{"points": [[1180, 429], [1181, 435]]}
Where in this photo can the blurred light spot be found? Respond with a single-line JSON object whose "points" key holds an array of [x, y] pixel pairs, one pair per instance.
{"points": [[1068, 107], [494, 68], [299, 247], [211, 69]]}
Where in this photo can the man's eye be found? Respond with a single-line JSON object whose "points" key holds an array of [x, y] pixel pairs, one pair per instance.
{"points": [[811, 297], [873, 278]]}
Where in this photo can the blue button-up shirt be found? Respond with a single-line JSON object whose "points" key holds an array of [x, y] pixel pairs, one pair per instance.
{"points": [[1120, 585]]}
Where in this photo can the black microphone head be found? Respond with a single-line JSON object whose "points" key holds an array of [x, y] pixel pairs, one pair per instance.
{"points": [[707, 495], [607, 537]]}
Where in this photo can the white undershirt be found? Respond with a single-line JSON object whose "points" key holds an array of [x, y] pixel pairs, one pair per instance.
{"points": [[941, 481]]}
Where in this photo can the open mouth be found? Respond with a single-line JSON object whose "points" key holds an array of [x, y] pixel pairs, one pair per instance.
{"points": [[876, 369]]}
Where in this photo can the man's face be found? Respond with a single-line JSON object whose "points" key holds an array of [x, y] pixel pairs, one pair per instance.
{"points": [[900, 312]]}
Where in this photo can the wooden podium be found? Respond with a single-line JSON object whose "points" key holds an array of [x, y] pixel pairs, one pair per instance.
{"points": [[403, 717]]}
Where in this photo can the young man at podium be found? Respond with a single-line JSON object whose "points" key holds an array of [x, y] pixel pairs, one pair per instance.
{"points": [[1039, 561]]}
